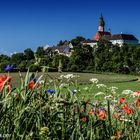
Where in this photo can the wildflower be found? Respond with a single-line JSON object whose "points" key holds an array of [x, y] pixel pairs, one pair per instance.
{"points": [[136, 93], [74, 91], [85, 88], [50, 91], [108, 97], [84, 119], [5, 80], [63, 85], [31, 85], [125, 120], [99, 93], [69, 76], [102, 115], [50, 81], [127, 109], [113, 88], [117, 115], [44, 130], [41, 82], [61, 77], [8, 67], [122, 100], [94, 80], [91, 112], [127, 92], [101, 86], [138, 103]]}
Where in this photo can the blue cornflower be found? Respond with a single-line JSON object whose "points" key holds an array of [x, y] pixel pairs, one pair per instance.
{"points": [[74, 91], [50, 91], [9, 67]]}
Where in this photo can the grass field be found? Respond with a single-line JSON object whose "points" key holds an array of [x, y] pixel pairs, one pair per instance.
{"points": [[121, 81]]}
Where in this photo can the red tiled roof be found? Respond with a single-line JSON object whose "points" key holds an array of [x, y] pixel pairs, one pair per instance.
{"points": [[99, 35]]}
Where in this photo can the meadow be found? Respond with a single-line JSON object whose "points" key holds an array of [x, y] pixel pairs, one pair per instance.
{"points": [[74, 106], [122, 81]]}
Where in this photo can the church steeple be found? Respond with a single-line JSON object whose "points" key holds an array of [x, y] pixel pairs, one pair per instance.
{"points": [[101, 24]]}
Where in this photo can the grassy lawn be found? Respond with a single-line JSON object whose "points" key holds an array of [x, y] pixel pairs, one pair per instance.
{"points": [[121, 81]]}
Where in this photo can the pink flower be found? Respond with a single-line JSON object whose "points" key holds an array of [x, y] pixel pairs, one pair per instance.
{"points": [[136, 93]]}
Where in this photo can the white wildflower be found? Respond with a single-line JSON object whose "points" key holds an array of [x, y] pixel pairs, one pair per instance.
{"points": [[94, 80], [125, 120], [108, 97], [99, 93], [50, 81], [113, 89], [41, 82], [69, 76], [85, 88], [127, 92], [101, 86], [61, 77], [63, 85]]}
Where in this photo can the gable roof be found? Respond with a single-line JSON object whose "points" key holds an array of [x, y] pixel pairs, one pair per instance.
{"points": [[99, 35], [61, 49], [123, 37]]}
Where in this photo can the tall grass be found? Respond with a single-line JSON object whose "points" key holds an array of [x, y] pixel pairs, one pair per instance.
{"points": [[52, 111]]}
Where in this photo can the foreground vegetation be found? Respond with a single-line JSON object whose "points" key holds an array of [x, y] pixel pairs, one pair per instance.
{"points": [[50, 109]]}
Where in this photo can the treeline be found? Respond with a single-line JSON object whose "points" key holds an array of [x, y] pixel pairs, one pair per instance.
{"points": [[103, 58]]}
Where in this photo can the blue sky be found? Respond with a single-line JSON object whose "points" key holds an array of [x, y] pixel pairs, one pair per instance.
{"points": [[32, 23]]}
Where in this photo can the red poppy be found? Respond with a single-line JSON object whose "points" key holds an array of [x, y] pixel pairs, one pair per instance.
{"points": [[5, 80], [122, 100], [31, 85], [127, 109], [138, 103], [102, 115]]}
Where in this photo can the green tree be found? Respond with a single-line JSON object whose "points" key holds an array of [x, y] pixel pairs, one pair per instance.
{"points": [[17, 58], [82, 57], [78, 40], [40, 52], [29, 54]]}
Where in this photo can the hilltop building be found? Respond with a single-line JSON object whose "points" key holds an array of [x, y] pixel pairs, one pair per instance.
{"points": [[66, 50], [119, 39]]}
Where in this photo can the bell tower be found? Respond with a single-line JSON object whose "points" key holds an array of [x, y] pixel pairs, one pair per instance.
{"points": [[101, 24]]}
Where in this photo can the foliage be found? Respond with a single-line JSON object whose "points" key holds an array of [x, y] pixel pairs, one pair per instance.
{"points": [[104, 57], [40, 52], [77, 41], [29, 54]]}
